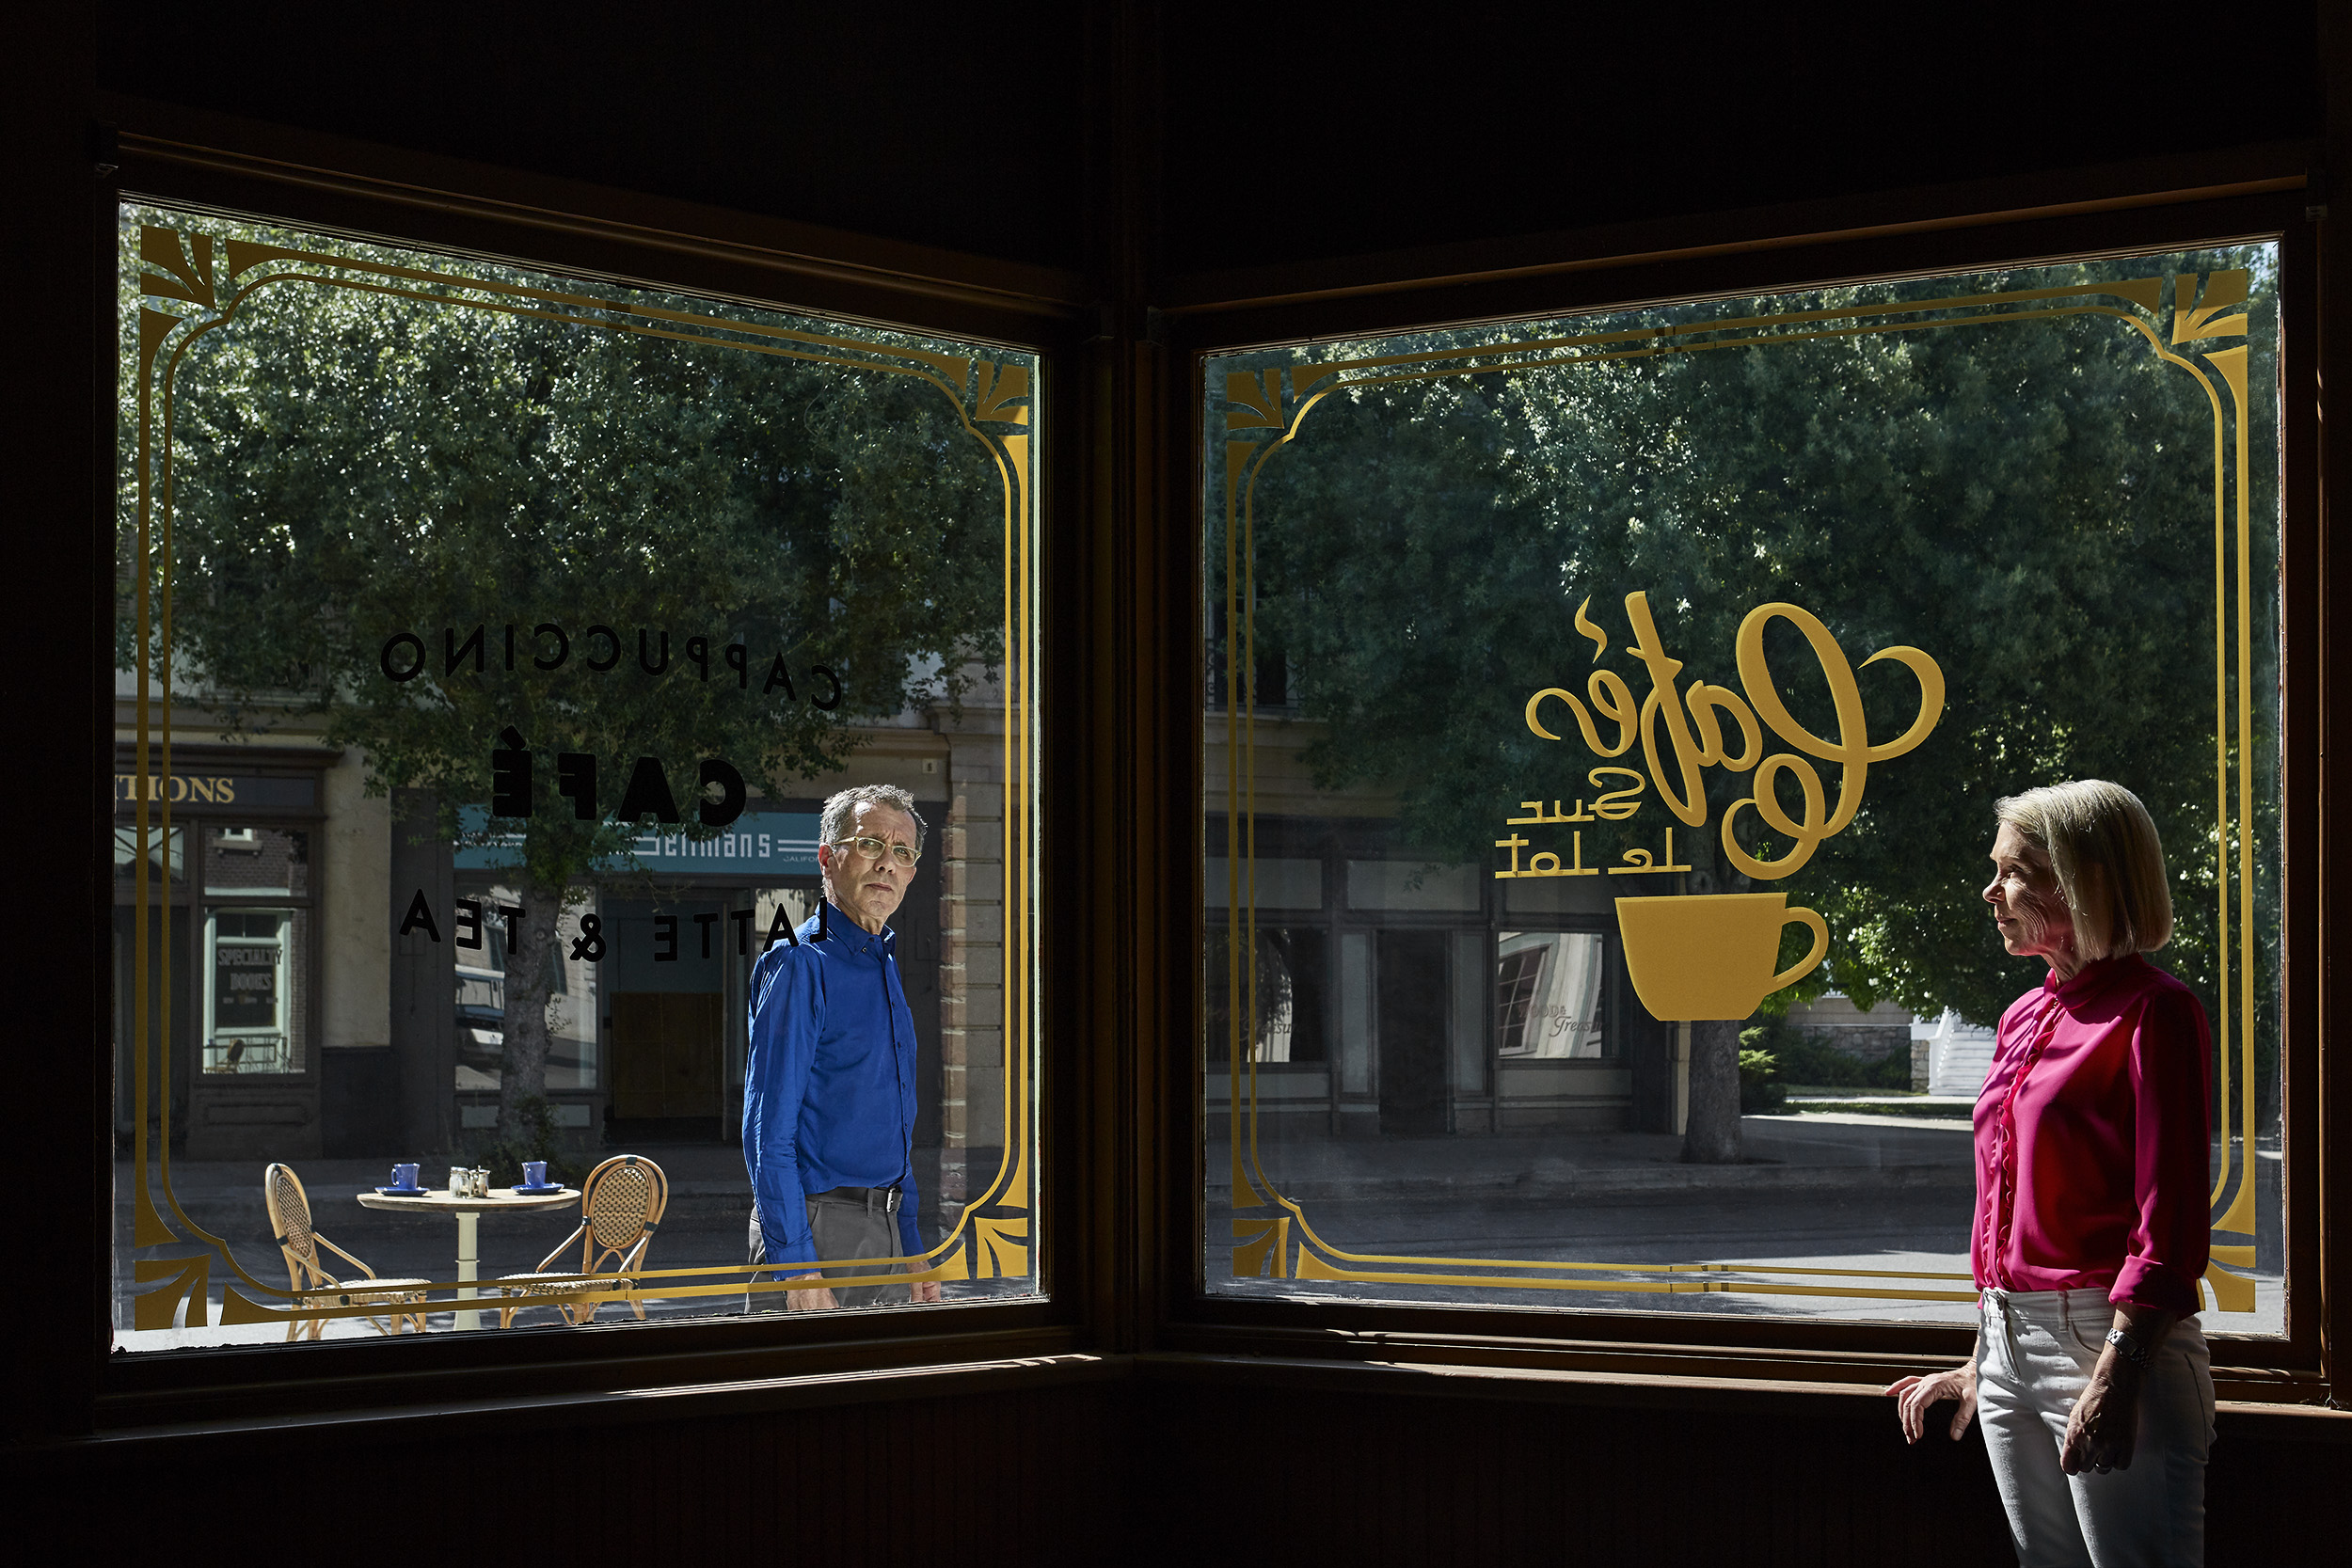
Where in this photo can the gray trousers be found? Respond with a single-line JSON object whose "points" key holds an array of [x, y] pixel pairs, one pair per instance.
{"points": [[845, 1228]]}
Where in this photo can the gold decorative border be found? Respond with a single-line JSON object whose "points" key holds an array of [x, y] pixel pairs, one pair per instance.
{"points": [[1272, 405], [209, 285]]}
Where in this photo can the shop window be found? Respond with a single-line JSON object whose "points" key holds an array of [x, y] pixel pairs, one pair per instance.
{"points": [[252, 991], [530, 623], [1548, 987], [165, 857], [1642, 684], [1292, 999], [485, 943]]}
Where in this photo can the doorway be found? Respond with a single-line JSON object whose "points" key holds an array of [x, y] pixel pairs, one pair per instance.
{"points": [[666, 1050], [1411, 1024], [665, 1018]]}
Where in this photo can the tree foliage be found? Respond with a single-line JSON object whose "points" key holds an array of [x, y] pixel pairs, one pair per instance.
{"points": [[2030, 502], [350, 468]]}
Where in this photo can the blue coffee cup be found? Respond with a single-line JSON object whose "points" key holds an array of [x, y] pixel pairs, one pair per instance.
{"points": [[405, 1176], [535, 1173]]}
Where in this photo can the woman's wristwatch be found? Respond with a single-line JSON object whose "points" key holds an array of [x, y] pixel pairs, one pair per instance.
{"points": [[2128, 1348]]}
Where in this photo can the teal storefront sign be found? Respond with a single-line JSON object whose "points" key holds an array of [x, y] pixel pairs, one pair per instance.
{"points": [[759, 843]]}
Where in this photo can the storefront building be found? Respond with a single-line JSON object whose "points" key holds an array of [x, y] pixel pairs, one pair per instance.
{"points": [[288, 1039], [1393, 694]]}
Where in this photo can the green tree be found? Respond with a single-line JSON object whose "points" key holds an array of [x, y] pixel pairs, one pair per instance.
{"points": [[2031, 503], [779, 547]]}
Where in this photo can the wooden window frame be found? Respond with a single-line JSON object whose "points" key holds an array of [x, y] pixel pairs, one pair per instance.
{"points": [[189, 161], [1210, 316], [1120, 707]]}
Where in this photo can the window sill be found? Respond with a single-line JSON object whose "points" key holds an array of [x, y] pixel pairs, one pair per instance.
{"points": [[426, 1427], [2239, 1416], [306, 1386]]}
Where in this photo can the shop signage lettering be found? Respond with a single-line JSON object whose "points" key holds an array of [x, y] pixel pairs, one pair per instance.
{"points": [[1695, 956], [215, 789], [1685, 730], [758, 843], [591, 944], [647, 793], [176, 787], [549, 646]]}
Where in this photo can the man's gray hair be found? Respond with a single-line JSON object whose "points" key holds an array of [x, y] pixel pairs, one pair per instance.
{"points": [[840, 813]]}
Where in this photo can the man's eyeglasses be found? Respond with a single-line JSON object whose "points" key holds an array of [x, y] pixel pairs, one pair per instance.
{"points": [[875, 848]]}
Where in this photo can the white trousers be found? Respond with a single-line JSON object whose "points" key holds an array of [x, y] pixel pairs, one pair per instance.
{"points": [[2035, 1351]]}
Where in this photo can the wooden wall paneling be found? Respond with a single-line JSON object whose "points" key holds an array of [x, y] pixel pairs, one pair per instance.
{"points": [[2327, 1157], [990, 1476], [58, 443], [1287, 1458]]}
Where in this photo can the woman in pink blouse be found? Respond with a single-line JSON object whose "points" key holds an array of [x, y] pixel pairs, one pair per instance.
{"points": [[2091, 1376]]}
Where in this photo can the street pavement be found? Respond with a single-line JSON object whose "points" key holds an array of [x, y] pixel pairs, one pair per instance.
{"points": [[1881, 1197], [1851, 1193], [706, 1224], [1873, 1197]]}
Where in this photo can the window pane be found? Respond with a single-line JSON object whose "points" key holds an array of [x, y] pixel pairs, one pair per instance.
{"points": [[253, 1000], [541, 619], [1548, 995], [573, 1005], [164, 857], [1642, 685]]}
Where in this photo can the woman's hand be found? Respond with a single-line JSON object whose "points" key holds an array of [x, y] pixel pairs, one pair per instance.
{"points": [[2105, 1426], [1913, 1395]]}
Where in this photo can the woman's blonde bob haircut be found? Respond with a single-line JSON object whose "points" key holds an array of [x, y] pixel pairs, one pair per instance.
{"points": [[2110, 865]]}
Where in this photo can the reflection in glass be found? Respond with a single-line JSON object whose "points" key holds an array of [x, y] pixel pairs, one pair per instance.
{"points": [[1292, 998], [127, 854], [1548, 995], [252, 992], [571, 1008], [544, 615], [1587, 661]]}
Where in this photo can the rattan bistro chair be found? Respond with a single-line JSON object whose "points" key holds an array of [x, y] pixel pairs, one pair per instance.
{"points": [[620, 1208], [290, 1220]]}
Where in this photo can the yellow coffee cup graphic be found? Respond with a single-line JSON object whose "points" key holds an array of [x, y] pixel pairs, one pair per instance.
{"points": [[1706, 957]]}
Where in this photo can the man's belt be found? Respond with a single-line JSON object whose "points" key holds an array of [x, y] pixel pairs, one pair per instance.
{"points": [[864, 1196]]}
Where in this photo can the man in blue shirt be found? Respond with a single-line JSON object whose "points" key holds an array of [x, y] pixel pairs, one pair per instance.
{"points": [[829, 1087]]}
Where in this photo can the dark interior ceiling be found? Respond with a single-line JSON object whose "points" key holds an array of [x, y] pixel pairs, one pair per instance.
{"points": [[1288, 134], [952, 126], [1307, 138]]}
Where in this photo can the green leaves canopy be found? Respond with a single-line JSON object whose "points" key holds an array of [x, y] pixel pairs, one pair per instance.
{"points": [[2030, 502], [351, 467]]}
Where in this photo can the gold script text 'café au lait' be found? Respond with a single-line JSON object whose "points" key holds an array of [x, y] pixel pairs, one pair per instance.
{"points": [[1694, 721]]}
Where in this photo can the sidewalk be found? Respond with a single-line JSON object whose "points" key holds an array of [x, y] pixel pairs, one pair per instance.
{"points": [[705, 1224], [1936, 1108], [1782, 1152]]}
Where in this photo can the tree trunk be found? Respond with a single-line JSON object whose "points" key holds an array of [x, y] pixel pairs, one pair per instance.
{"points": [[1711, 1134], [523, 1063]]}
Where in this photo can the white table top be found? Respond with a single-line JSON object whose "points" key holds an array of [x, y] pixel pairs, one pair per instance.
{"points": [[499, 1199]]}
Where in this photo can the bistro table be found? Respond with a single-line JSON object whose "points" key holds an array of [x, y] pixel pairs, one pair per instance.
{"points": [[469, 1211]]}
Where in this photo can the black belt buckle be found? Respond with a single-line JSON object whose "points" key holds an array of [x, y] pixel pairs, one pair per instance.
{"points": [[890, 1203]]}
